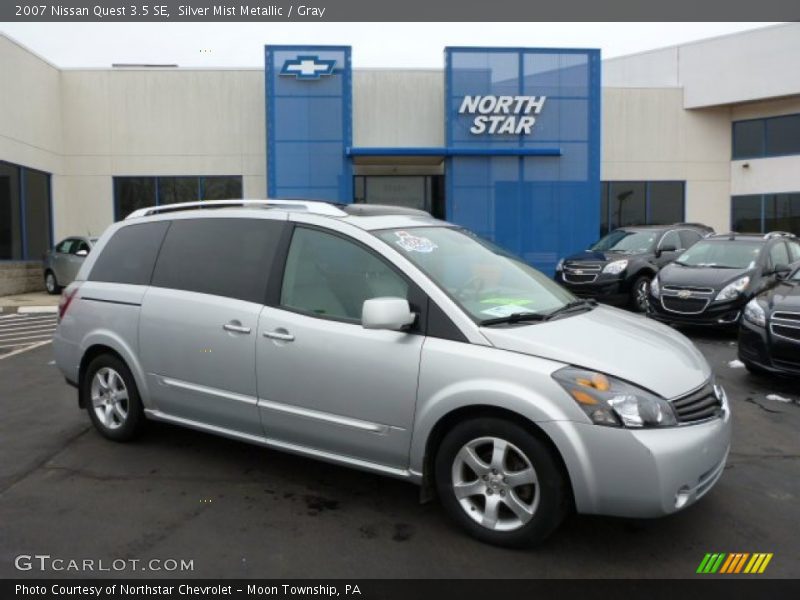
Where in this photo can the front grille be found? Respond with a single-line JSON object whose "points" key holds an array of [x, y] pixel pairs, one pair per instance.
{"points": [[697, 406], [786, 325], [583, 278], [581, 272], [687, 306]]}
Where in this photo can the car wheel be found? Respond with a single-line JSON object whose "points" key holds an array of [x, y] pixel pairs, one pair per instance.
{"points": [[639, 293], [50, 283], [500, 482], [109, 393]]}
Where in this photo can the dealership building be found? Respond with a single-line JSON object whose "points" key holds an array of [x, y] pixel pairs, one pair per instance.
{"points": [[540, 149]]}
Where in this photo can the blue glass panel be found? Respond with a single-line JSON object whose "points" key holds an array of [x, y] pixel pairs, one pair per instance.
{"points": [[541, 207], [309, 122]]}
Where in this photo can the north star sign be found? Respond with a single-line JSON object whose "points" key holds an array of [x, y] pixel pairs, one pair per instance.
{"points": [[502, 114]]}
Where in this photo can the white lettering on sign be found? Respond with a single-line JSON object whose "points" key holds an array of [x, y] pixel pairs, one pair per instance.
{"points": [[502, 114]]}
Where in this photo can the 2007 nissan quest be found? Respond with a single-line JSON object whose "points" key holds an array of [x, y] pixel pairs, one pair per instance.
{"points": [[383, 339]]}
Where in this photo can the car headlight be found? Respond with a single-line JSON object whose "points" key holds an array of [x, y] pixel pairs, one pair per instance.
{"points": [[560, 265], [612, 402], [754, 313], [730, 291], [616, 267], [655, 287]]}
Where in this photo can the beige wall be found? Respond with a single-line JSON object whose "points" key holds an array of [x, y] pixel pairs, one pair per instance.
{"points": [[156, 122], [398, 108], [647, 135]]}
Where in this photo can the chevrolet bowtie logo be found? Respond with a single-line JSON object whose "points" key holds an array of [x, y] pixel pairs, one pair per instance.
{"points": [[684, 294], [308, 67]]}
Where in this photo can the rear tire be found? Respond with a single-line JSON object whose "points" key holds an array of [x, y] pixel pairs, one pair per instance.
{"points": [[109, 393], [640, 291], [500, 482], [51, 283]]}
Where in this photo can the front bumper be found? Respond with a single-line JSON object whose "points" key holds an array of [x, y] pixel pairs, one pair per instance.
{"points": [[716, 314], [608, 289], [641, 473]]}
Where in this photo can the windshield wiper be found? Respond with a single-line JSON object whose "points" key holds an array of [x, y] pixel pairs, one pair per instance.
{"points": [[515, 318], [570, 306]]}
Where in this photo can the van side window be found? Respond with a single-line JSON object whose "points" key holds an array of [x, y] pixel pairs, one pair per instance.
{"points": [[223, 257], [129, 255], [328, 276]]}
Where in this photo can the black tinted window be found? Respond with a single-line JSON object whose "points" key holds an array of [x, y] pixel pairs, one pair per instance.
{"points": [[129, 255], [783, 135], [748, 139], [224, 257], [689, 238]]}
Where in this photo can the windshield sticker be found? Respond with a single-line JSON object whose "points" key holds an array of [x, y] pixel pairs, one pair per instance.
{"points": [[508, 301], [413, 243], [506, 310]]}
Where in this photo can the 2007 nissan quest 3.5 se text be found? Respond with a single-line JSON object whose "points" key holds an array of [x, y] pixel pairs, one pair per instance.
{"points": [[383, 339]]}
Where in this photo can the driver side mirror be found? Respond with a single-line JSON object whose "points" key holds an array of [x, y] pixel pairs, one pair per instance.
{"points": [[665, 248], [393, 314]]}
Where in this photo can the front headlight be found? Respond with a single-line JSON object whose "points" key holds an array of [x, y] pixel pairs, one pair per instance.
{"points": [[616, 267], [655, 287], [612, 402], [754, 313], [560, 265], [730, 291]]}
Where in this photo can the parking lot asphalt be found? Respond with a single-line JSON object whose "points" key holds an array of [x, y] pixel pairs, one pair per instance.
{"points": [[237, 510]]}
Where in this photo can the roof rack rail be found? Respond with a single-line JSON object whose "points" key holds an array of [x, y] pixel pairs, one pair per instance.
{"points": [[774, 234], [312, 206]]}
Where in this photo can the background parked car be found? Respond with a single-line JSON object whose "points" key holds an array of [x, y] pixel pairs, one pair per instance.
{"points": [[769, 334], [618, 268], [61, 264], [712, 282]]}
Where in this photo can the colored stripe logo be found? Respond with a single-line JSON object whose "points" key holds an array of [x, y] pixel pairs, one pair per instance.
{"points": [[734, 563]]}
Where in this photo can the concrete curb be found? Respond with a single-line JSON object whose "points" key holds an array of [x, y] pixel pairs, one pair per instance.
{"points": [[8, 310]]}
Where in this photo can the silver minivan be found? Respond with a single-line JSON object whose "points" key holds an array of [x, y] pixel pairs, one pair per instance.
{"points": [[386, 340]]}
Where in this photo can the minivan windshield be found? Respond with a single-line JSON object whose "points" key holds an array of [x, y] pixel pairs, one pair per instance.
{"points": [[721, 254], [486, 281], [626, 242]]}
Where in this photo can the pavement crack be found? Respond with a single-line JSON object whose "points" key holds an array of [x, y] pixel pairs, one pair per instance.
{"points": [[42, 463], [762, 407]]}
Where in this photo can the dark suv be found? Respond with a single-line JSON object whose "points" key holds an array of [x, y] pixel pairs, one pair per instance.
{"points": [[769, 334], [618, 269], [710, 283]]}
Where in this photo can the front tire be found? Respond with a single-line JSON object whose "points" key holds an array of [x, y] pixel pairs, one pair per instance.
{"points": [[639, 293], [500, 482], [109, 393], [51, 283]]}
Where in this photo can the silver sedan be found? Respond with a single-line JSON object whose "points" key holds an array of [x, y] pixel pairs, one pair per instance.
{"points": [[61, 264]]}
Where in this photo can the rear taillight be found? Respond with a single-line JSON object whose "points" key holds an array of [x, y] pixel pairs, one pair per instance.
{"points": [[66, 299]]}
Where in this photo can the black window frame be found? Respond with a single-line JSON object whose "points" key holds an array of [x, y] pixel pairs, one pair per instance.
{"points": [[156, 181], [606, 205], [22, 200], [765, 152]]}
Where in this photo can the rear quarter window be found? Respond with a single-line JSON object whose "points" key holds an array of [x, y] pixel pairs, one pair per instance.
{"points": [[129, 256]]}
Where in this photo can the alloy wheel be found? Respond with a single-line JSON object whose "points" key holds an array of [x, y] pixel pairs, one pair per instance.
{"points": [[50, 282], [495, 484], [641, 294], [109, 398]]}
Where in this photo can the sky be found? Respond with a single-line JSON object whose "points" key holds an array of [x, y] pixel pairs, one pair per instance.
{"points": [[375, 45]]}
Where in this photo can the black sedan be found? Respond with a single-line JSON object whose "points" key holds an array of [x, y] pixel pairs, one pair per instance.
{"points": [[769, 334], [710, 283]]}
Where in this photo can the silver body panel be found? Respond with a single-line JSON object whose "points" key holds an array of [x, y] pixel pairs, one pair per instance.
{"points": [[371, 398]]}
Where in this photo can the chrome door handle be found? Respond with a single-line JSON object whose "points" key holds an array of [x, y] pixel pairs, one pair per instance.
{"points": [[236, 328], [279, 335]]}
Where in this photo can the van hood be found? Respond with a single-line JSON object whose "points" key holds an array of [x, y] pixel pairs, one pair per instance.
{"points": [[630, 347]]}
